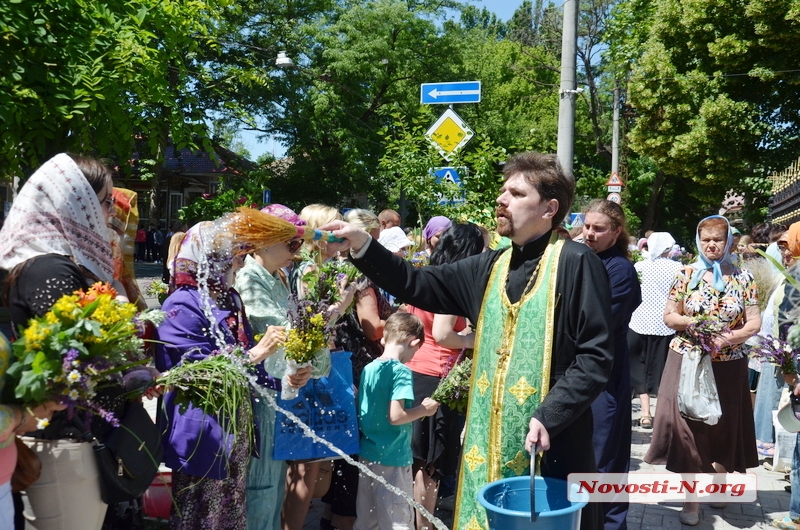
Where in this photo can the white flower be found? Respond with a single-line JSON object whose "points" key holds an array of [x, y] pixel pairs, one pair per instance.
{"points": [[73, 394], [41, 423], [76, 363], [73, 377], [776, 344]]}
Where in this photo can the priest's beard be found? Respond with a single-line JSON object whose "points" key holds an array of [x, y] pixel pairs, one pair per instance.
{"points": [[505, 223]]}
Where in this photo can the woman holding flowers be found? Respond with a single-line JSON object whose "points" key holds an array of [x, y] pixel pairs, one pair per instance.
{"points": [[264, 288], [436, 442], [712, 289], [302, 476], [209, 452], [55, 241]]}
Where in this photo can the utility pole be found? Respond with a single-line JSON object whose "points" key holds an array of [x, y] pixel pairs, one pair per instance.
{"points": [[568, 90], [615, 133]]}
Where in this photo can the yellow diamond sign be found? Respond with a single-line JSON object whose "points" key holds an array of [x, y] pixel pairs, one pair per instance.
{"points": [[449, 134]]}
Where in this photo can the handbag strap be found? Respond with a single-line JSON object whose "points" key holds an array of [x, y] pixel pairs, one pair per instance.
{"points": [[86, 435]]}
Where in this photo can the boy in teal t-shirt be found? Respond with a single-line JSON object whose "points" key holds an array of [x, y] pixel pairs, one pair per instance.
{"points": [[386, 387]]}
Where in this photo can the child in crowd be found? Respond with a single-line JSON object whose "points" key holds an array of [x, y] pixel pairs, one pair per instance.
{"points": [[386, 387]]}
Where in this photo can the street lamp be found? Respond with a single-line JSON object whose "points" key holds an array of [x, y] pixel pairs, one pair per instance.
{"points": [[283, 60]]}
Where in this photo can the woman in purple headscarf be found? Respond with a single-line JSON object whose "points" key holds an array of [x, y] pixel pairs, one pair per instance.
{"points": [[433, 231]]}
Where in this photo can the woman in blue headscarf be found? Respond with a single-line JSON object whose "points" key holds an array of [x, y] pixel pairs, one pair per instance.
{"points": [[711, 287]]}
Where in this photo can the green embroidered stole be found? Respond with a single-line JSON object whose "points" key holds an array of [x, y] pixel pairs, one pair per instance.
{"points": [[510, 376]]}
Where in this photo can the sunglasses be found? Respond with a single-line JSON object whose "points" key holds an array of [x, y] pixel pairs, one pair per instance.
{"points": [[294, 245]]}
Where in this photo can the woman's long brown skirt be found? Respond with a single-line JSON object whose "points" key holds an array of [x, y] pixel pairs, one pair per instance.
{"points": [[687, 446]]}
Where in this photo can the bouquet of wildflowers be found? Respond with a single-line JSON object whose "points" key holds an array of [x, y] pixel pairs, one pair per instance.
{"points": [[778, 352], [158, 289], [323, 283], [704, 329], [81, 345], [453, 390], [217, 384], [310, 332], [419, 259]]}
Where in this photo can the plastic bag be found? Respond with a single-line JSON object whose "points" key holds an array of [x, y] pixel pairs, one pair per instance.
{"points": [[328, 406], [697, 389]]}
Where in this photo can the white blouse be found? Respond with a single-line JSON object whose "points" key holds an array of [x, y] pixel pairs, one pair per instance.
{"points": [[656, 277]]}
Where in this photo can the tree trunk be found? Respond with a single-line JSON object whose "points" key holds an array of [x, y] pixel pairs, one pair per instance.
{"points": [[650, 216]]}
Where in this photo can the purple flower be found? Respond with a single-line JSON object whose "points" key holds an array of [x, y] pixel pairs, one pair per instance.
{"points": [[778, 352]]}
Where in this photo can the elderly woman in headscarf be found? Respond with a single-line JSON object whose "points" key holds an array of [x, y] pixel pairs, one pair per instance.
{"points": [[55, 241], [710, 287], [433, 231], [648, 336], [204, 315]]}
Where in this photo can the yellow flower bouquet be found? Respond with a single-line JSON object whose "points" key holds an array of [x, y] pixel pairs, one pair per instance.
{"points": [[310, 331], [82, 344]]}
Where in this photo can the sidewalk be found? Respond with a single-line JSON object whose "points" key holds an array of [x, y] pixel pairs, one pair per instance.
{"points": [[772, 502]]}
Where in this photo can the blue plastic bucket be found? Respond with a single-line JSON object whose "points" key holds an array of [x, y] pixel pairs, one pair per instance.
{"points": [[508, 504]]}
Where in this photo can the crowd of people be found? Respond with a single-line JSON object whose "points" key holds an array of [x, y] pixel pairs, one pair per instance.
{"points": [[562, 329]]}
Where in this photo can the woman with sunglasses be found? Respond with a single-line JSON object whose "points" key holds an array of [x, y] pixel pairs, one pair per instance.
{"points": [[264, 288]]}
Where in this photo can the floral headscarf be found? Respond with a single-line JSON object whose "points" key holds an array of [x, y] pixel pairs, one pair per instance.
{"points": [[58, 212]]}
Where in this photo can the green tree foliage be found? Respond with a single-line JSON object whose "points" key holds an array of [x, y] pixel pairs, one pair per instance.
{"points": [[87, 76], [715, 101], [359, 60]]}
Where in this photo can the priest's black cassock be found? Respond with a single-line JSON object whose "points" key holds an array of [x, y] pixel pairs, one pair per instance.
{"points": [[583, 343]]}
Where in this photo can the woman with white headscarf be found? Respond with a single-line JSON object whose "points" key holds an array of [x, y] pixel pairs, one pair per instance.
{"points": [[648, 336], [710, 287], [55, 241], [205, 314]]}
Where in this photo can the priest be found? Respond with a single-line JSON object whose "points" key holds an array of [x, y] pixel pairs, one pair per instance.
{"points": [[543, 347]]}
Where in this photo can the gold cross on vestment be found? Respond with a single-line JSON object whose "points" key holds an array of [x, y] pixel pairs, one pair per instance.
{"points": [[522, 390], [519, 464], [483, 383], [474, 458], [473, 524]]}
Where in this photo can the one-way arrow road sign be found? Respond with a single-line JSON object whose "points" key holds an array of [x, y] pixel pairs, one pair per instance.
{"points": [[446, 93]]}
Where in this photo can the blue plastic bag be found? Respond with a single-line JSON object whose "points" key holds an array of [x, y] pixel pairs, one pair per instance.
{"points": [[328, 406]]}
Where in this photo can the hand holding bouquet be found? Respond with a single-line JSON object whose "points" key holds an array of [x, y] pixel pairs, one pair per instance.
{"points": [[306, 344], [707, 332], [217, 384]]}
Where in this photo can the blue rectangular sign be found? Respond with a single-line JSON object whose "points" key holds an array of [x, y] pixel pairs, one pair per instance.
{"points": [[459, 92]]}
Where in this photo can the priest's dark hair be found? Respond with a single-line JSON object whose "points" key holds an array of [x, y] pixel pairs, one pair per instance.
{"points": [[458, 242], [616, 215], [545, 174]]}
